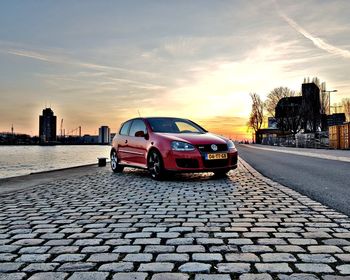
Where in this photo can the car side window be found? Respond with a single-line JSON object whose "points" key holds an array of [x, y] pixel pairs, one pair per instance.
{"points": [[137, 125], [125, 128]]}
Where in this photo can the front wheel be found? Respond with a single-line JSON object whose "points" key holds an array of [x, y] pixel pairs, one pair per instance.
{"points": [[116, 167], [155, 165]]}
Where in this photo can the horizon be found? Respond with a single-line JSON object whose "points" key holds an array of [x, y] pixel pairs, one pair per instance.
{"points": [[218, 130], [101, 63]]}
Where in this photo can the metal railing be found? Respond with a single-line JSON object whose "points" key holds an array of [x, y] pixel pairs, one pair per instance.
{"points": [[318, 140]]}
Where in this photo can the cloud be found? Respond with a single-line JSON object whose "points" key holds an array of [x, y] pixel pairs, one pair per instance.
{"points": [[52, 58], [31, 54], [139, 84], [110, 73], [318, 42]]}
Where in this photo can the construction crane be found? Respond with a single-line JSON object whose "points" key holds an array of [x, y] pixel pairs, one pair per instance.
{"points": [[75, 132], [61, 128]]}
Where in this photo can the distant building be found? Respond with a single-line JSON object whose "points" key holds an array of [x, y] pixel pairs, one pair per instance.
{"points": [[267, 136], [90, 139], [288, 114], [301, 113], [104, 135], [288, 106], [9, 138], [112, 136], [336, 119], [311, 106], [47, 126]]}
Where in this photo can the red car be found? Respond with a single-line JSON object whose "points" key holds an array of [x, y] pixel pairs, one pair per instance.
{"points": [[164, 145]]}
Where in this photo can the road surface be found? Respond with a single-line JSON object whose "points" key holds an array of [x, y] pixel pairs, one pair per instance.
{"points": [[324, 180]]}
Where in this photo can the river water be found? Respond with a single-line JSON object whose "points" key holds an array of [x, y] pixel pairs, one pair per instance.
{"points": [[22, 160]]}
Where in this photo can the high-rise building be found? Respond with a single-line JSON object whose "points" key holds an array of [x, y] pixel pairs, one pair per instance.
{"points": [[104, 135], [47, 126], [311, 105]]}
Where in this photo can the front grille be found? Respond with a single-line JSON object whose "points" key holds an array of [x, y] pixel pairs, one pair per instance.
{"points": [[187, 163], [215, 163], [207, 148]]}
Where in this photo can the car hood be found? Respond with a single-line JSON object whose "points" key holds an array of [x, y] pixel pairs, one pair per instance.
{"points": [[193, 138]]}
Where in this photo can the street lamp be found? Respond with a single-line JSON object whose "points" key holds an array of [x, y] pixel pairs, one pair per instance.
{"points": [[329, 98]]}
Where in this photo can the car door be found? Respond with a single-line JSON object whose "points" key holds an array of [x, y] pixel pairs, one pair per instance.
{"points": [[138, 142], [123, 143]]}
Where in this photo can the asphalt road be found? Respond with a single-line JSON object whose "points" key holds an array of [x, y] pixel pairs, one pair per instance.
{"points": [[326, 181]]}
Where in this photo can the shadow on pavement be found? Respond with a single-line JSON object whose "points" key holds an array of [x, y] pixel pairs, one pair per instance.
{"points": [[174, 177]]}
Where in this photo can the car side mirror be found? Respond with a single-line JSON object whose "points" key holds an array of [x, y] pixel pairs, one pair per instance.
{"points": [[140, 133]]}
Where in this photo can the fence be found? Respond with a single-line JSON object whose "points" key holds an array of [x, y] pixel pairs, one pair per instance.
{"points": [[317, 140]]}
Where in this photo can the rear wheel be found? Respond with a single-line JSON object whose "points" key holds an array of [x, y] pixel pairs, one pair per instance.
{"points": [[155, 165], [116, 167]]}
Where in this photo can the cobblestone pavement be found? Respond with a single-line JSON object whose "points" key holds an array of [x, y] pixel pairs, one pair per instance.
{"points": [[126, 226]]}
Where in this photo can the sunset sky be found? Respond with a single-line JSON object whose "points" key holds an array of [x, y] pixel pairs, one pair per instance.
{"points": [[100, 62]]}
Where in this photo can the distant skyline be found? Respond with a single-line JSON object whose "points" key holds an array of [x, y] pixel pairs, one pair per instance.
{"points": [[100, 62]]}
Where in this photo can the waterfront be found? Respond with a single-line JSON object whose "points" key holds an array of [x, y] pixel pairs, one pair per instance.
{"points": [[22, 160]]}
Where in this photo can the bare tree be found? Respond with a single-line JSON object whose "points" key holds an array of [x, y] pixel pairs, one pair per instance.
{"points": [[274, 96], [324, 98], [294, 119], [346, 107], [256, 117]]}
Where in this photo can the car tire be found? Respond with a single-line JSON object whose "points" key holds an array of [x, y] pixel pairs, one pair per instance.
{"points": [[221, 173], [155, 165], [115, 166]]}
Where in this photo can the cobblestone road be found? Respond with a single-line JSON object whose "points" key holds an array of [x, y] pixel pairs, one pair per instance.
{"points": [[126, 226]]}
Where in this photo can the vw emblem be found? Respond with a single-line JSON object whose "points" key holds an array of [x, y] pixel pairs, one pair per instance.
{"points": [[214, 147]]}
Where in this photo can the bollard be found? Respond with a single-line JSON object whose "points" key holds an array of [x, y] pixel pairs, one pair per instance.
{"points": [[102, 161]]}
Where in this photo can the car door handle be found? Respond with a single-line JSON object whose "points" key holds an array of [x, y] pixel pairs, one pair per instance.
{"points": [[126, 141]]}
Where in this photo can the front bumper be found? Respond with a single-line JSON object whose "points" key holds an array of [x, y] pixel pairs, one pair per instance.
{"points": [[194, 161]]}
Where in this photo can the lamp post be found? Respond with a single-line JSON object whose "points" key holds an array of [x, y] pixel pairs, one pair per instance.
{"points": [[329, 98]]}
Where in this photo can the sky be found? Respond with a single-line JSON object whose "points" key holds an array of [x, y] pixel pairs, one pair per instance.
{"points": [[101, 62]]}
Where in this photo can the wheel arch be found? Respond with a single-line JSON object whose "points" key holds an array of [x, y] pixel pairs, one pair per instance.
{"points": [[156, 173], [112, 149], [153, 149]]}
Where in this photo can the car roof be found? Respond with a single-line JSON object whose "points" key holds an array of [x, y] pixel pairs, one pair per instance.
{"points": [[164, 118], [147, 118]]}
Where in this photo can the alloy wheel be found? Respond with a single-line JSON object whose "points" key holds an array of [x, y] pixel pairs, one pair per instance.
{"points": [[115, 165], [154, 164], [114, 160]]}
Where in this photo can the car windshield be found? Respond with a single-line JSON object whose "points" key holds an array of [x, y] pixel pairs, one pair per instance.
{"points": [[173, 125]]}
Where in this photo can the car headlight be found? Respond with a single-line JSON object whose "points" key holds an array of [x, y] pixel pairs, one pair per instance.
{"points": [[181, 146], [230, 144]]}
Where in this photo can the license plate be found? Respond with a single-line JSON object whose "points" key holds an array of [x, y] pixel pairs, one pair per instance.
{"points": [[216, 156]]}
